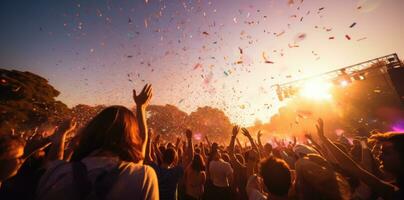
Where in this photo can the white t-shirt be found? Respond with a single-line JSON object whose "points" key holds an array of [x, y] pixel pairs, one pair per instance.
{"points": [[220, 171], [254, 188], [135, 181]]}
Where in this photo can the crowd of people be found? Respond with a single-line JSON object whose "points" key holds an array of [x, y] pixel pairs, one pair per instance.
{"points": [[116, 156]]}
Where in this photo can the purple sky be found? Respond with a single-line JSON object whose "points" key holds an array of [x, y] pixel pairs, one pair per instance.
{"points": [[95, 52]]}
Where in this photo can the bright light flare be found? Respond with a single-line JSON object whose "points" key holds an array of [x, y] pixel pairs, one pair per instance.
{"points": [[344, 83], [317, 89]]}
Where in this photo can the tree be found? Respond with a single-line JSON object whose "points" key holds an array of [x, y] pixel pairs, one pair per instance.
{"points": [[166, 120], [27, 101], [84, 113], [211, 122]]}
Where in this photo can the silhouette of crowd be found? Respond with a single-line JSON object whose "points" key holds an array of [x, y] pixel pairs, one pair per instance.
{"points": [[116, 156]]}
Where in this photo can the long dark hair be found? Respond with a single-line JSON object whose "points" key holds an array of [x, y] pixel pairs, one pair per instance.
{"points": [[197, 163], [115, 129]]}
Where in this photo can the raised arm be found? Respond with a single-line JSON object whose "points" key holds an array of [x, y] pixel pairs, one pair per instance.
{"points": [[239, 143], [57, 148], [208, 142], [384, 189], [203, 153], [142, 100], [233, 160], [248, 135], [190, 146], [157, 152], [148, 154], [259, 135]]}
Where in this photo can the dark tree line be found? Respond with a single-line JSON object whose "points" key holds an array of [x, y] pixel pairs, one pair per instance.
{"points": [[27, 102]]}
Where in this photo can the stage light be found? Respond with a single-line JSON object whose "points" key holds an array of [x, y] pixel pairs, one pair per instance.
{"points": [[359, 77], [343, 83], [316, 89]]}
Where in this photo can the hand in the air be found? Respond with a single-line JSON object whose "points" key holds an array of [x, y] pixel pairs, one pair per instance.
{"points": [[143, 98]]}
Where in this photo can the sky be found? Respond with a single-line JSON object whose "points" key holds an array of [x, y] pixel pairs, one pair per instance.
{"points": [[221, 53]]}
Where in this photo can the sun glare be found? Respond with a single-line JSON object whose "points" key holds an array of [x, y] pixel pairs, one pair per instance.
{"points": [[318, 90]]}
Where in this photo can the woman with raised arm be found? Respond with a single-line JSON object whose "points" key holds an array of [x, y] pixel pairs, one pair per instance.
{"points": [[108, 161], [243, 171], [195, 178], [392, 160]]}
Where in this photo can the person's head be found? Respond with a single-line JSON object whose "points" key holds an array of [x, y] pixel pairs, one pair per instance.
{"points": [[316, 179], [11, 151], [356, 151], [170, 145], [215, 154], [252, 157], [162, 148], [302, 150], [197, 163], [276, 175], [225, 157], [197, 150], [392, 151], [169, 156], [268, 148], [115, 130]]}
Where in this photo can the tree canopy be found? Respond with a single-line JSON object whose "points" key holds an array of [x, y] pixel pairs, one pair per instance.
{"points": [[27, 100]]}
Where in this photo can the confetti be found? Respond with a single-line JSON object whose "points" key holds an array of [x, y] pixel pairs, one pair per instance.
{"points": [[352, 25], [241, 50], [300, 37], [205, 33], [360, 39], [347, 37], [198, 65], [331, 38], [266, 59], [293, 45], [281, 33], [145, 23]]}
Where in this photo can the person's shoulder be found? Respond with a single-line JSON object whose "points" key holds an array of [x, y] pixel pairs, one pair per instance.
{"points": [[56, 167], [179, 169], [135, 168], [137, 171], [226, 163], [54, 164]]}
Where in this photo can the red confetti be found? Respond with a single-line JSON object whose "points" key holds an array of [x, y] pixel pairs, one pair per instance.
{"points": [[347, 37]]}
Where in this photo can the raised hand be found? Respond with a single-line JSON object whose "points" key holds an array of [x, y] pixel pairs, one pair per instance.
{"points": [[35, 144], [63, 129], [259, 134], [157, 139], [144, 96], [188, 133], [151, 133], [320, 128], [235, 131], [246, 132]]}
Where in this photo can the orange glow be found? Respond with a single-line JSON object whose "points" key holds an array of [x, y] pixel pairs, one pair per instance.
{"points": [[317, 90]]}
